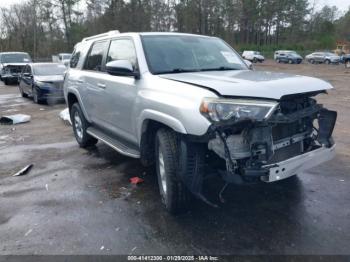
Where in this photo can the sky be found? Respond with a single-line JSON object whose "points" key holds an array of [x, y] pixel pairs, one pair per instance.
{"points": [[343, 5]]}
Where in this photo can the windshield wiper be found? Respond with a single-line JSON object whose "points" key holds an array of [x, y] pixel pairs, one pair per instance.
{"points": [[221, 68], [178, 70]]}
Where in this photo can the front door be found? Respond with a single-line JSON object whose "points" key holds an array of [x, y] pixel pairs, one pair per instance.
{"points": [[26, 82], [121, 92]]}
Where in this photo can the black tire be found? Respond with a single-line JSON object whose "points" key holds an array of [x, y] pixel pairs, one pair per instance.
{"points": [[36, 98], [327, 62], [83, 138], [255, 60], [6, 82], [278, 61], [22, 92], [312, 61], [174, 193], [290, 61], [347, 64]]}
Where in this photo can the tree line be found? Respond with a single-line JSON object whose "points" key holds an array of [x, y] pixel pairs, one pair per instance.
{"points": [[46, 27]]}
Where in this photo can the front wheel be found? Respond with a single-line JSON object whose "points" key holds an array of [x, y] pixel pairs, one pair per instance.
{"points": [[255, 60], [36, 98], [22, 92], [347, 64], [174, 194], [290, 61], [327, 62], [80, 125]]}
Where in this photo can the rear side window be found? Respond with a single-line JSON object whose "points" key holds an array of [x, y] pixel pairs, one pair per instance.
{"points": [[122, 49], [94, 60], [74, 59]]}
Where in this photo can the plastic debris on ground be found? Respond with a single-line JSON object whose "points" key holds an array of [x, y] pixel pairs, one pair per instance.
{"points": [[136, 180], [24, 170], [14, 119], [64, 115], [28, 232]]}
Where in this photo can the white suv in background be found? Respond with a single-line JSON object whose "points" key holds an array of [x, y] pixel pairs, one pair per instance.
{"points": [[253, 56]]}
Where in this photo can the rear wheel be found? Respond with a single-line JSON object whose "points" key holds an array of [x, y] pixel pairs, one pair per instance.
{"points": [[278, 61], [80, 125], [255, 60], [327, 62], [312, 61], [6, 81], [174, 194]]}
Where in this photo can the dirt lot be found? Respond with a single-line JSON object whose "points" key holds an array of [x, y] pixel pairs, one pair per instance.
{"points": [[76, 201]]}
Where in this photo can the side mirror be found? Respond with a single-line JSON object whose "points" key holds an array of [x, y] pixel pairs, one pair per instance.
{"points": [[249, 64], [27, 74], [121, 68]]}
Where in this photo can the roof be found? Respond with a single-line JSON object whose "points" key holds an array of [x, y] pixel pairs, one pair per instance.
{"points": [[117, 33], [44, 64], [10, 53]]}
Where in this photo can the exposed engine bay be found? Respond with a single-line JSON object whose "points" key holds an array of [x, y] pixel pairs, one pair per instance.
{"points": [[297, 126]]}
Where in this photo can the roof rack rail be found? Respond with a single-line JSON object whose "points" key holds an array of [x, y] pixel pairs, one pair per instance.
{"points": [[110, 33]]}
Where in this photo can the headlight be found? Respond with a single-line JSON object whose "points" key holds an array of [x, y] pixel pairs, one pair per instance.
{"points": [[217, 110], [41, 84]]}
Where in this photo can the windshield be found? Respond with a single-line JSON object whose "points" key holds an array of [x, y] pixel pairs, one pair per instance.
{"points": [[183, 53], [48, 70], [15, 58], [257, 53]]}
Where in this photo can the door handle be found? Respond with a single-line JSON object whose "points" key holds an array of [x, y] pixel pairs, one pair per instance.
{"points": [[103, 86], [80, 81]]}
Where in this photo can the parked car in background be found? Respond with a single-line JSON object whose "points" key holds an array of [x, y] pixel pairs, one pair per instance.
{"points": [[253, 56], [323, 57], [346, 60], [286, 56], [43, 82], [189, 105], [11, 65], [62, 58]]}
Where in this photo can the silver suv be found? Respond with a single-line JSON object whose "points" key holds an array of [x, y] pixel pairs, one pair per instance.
{"points": [[190, 105]]}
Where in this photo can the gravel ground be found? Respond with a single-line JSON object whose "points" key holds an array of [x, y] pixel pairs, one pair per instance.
{"points": [[77, 201]]}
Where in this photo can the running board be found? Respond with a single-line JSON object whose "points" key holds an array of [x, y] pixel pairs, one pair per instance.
{"points": [[113, 143]]}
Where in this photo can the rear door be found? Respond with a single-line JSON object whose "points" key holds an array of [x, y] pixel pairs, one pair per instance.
{"points": [[90, 81]]}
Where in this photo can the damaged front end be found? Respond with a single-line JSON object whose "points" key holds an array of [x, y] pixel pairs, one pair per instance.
{"points": [[269, 140]]}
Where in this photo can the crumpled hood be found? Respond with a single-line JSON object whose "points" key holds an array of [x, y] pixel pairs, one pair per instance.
{"points": [[247, 83], [53, 78]]}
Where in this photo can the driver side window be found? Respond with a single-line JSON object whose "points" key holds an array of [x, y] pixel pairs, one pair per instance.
{"points": [[122, 49]]}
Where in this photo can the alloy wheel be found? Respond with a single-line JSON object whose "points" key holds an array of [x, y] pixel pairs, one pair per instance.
{"points": [[78, 125]]}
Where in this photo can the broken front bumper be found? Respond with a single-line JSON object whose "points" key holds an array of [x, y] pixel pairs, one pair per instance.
{"points": [[298, 164]]}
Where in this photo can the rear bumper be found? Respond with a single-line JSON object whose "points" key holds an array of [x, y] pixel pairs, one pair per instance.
{"points": [[298, 164]]}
